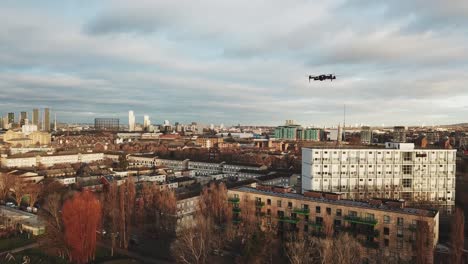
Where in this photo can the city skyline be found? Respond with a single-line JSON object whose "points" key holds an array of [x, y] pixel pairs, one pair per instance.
{"points": [[216, 63]]}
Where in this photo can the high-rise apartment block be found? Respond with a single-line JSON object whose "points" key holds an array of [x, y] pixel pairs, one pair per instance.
{"points": [[46, 126], [11, 118], [291, 131], [35, 117], [23, 118], [366, 135], [146, 122], [399, 134], [396, 172], [131, 121]]}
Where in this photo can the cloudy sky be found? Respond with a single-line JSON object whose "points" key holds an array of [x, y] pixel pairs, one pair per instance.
{"points": [[397, 62]]}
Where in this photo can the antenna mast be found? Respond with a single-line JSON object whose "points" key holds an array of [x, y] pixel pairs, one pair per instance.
{"points": [[344, 122]]}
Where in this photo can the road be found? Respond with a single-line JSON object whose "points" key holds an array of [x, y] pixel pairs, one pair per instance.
{"points": [[134, 255], [19, 249]]}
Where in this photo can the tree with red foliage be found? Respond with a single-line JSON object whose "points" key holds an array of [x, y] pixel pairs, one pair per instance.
{"points": [[81, 218]]}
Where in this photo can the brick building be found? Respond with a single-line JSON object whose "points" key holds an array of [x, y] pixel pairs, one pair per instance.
{"points": [[382, 226]]}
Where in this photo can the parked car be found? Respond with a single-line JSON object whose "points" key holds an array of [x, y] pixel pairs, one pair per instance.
{"points": [[29, 209]]}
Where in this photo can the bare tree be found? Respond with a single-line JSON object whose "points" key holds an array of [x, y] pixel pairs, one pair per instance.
{"points": [[344, 249], [457, 236], [192, 245], [19, 189], [111, 213], [54, 238], [303, 249], [328, 228], [424, 243], [33, 191], [7, 181]]}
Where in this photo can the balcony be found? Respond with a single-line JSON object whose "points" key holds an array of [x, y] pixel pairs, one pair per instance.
{"points": [[314, 224], [288, 220], [302, 211], [235, 200], [236, 209], [360, 220], [236, 221], [259, 204], [260, 214]]}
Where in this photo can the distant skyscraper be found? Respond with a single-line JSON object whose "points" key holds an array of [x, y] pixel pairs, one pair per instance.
{"points": [[35, 117], [23, 117], [46, 119], [11, 118], [366, 135], [131, 121], [399, 134], [146, 122]]}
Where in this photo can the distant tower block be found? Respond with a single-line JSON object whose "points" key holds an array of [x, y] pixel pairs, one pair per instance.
{"points": [[131, 121], [399, 134]]}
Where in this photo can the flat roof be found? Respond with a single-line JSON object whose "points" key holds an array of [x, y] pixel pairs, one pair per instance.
{"points": [[347, 203]]}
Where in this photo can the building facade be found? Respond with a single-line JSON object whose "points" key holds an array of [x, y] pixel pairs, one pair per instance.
{"points": [[383, 227], [49, 160], [425, 176], [366, 135], [131, 121], [46, 126]]}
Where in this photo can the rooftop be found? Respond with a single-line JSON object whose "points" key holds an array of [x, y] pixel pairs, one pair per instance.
{"points": [[347, 203]]}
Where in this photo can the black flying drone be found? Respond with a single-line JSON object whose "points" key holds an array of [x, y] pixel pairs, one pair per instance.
{"points": [[322, 77]]}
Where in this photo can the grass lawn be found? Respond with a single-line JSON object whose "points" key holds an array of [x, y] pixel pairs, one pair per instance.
{"points": [[15, 242], [36, 255]]}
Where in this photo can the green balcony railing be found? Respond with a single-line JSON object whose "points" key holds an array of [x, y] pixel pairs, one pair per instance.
{"points": [[236, 209], [236, 221], [360, 220], [259, 204], [288, 220], [261, 214], [376, 233], [314, 224], [234, 200], [302, 211]]}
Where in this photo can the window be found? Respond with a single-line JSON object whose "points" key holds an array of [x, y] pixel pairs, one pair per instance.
{"points": [[400, 244], [386, 219], [407, 156], [407, 169], [399, 232], [289, 205], [318, 220], [328, 211], [386, 231], [317, 209], [407, 183], [280, 214], [400, 221], [268, 211], [370, 216], [268, 201], [352, 213], [306, 228], [386, 242], [338, 212], [278, 203]]}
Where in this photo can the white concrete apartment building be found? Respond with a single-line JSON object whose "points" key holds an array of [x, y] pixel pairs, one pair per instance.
{"points": [[20, 161], [397, 171]]}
